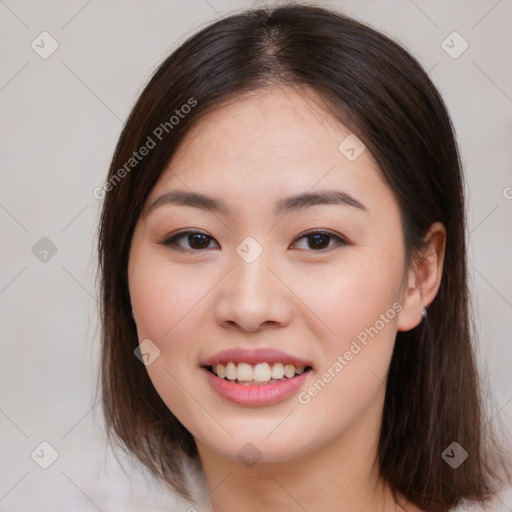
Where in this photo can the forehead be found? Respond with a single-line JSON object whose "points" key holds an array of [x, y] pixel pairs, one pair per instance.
{"points": [[273, 141]]}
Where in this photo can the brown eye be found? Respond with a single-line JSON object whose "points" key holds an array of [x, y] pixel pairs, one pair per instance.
{"points": [[195, 240], [319, 240]]}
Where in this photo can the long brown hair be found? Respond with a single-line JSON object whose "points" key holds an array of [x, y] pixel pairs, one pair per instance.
{"points": [[382, 94]]}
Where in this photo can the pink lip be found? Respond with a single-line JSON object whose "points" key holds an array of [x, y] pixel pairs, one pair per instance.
{"points": [[264, 394], [254, 356]]}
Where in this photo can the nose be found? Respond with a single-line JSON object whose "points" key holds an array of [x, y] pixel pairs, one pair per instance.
{"points": [[253, 296]]}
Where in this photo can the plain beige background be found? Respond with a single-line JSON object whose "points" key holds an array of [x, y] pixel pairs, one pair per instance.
{"points": [[61, 115]]}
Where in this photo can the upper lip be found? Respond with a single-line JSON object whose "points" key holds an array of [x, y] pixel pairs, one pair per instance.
{"points": [[254, 356]]}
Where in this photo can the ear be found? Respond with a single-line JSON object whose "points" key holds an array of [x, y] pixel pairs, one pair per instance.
{"points": [[423, 278]]}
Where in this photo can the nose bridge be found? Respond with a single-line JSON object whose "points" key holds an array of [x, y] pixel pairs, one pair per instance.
{"points": [[252, 295], [251, 275]]}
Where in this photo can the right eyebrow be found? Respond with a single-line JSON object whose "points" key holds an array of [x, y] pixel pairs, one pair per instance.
{"points": [[192, 199]]}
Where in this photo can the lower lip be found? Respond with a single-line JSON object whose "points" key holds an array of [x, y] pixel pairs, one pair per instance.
{"points": [[264, 394]]}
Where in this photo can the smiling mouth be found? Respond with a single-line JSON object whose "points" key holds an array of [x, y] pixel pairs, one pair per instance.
{"points": [[258, 374]]}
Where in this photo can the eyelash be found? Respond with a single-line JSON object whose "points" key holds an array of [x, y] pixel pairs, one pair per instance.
{"points": [[172, 241]]}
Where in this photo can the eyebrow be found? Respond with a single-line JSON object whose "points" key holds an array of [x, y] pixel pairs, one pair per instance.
{"points": [[283, 206]]}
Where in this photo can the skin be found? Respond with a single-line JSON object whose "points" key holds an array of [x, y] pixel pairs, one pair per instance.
{"points": [[252, 152]]}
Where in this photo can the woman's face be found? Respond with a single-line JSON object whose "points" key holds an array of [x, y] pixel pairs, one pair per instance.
{"points": [[258, 277]]}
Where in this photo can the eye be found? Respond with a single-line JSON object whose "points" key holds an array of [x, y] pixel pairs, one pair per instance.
{"points": [[195, 239], [319, 240]]}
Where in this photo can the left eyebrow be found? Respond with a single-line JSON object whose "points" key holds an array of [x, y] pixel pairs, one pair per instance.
{"points": [[308, 199], [283, 206]]}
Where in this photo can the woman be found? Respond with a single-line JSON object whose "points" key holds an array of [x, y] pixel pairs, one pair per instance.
{"points": [[283, 271]]}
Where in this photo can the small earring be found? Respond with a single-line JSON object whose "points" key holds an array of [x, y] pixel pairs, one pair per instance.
{"points": [[424, 312]]}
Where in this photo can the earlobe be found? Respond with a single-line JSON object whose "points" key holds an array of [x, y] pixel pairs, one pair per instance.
{"points": [[412, 309], [424, 279]]}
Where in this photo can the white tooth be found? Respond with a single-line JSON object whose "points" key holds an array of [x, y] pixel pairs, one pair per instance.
{"points": [[299, 369], [244, 371], [230, 371], [220, 370], [261, 372], [289, 370], [277, 371]]}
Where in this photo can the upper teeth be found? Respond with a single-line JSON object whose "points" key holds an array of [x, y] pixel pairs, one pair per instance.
{"points": [[261, 372]]}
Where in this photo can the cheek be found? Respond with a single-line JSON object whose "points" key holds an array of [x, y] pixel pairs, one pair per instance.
{"points": [[353, 298], [364, 322], [351, 381], [166, 306], [164, 297], [169, 302], [359, 305]]}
